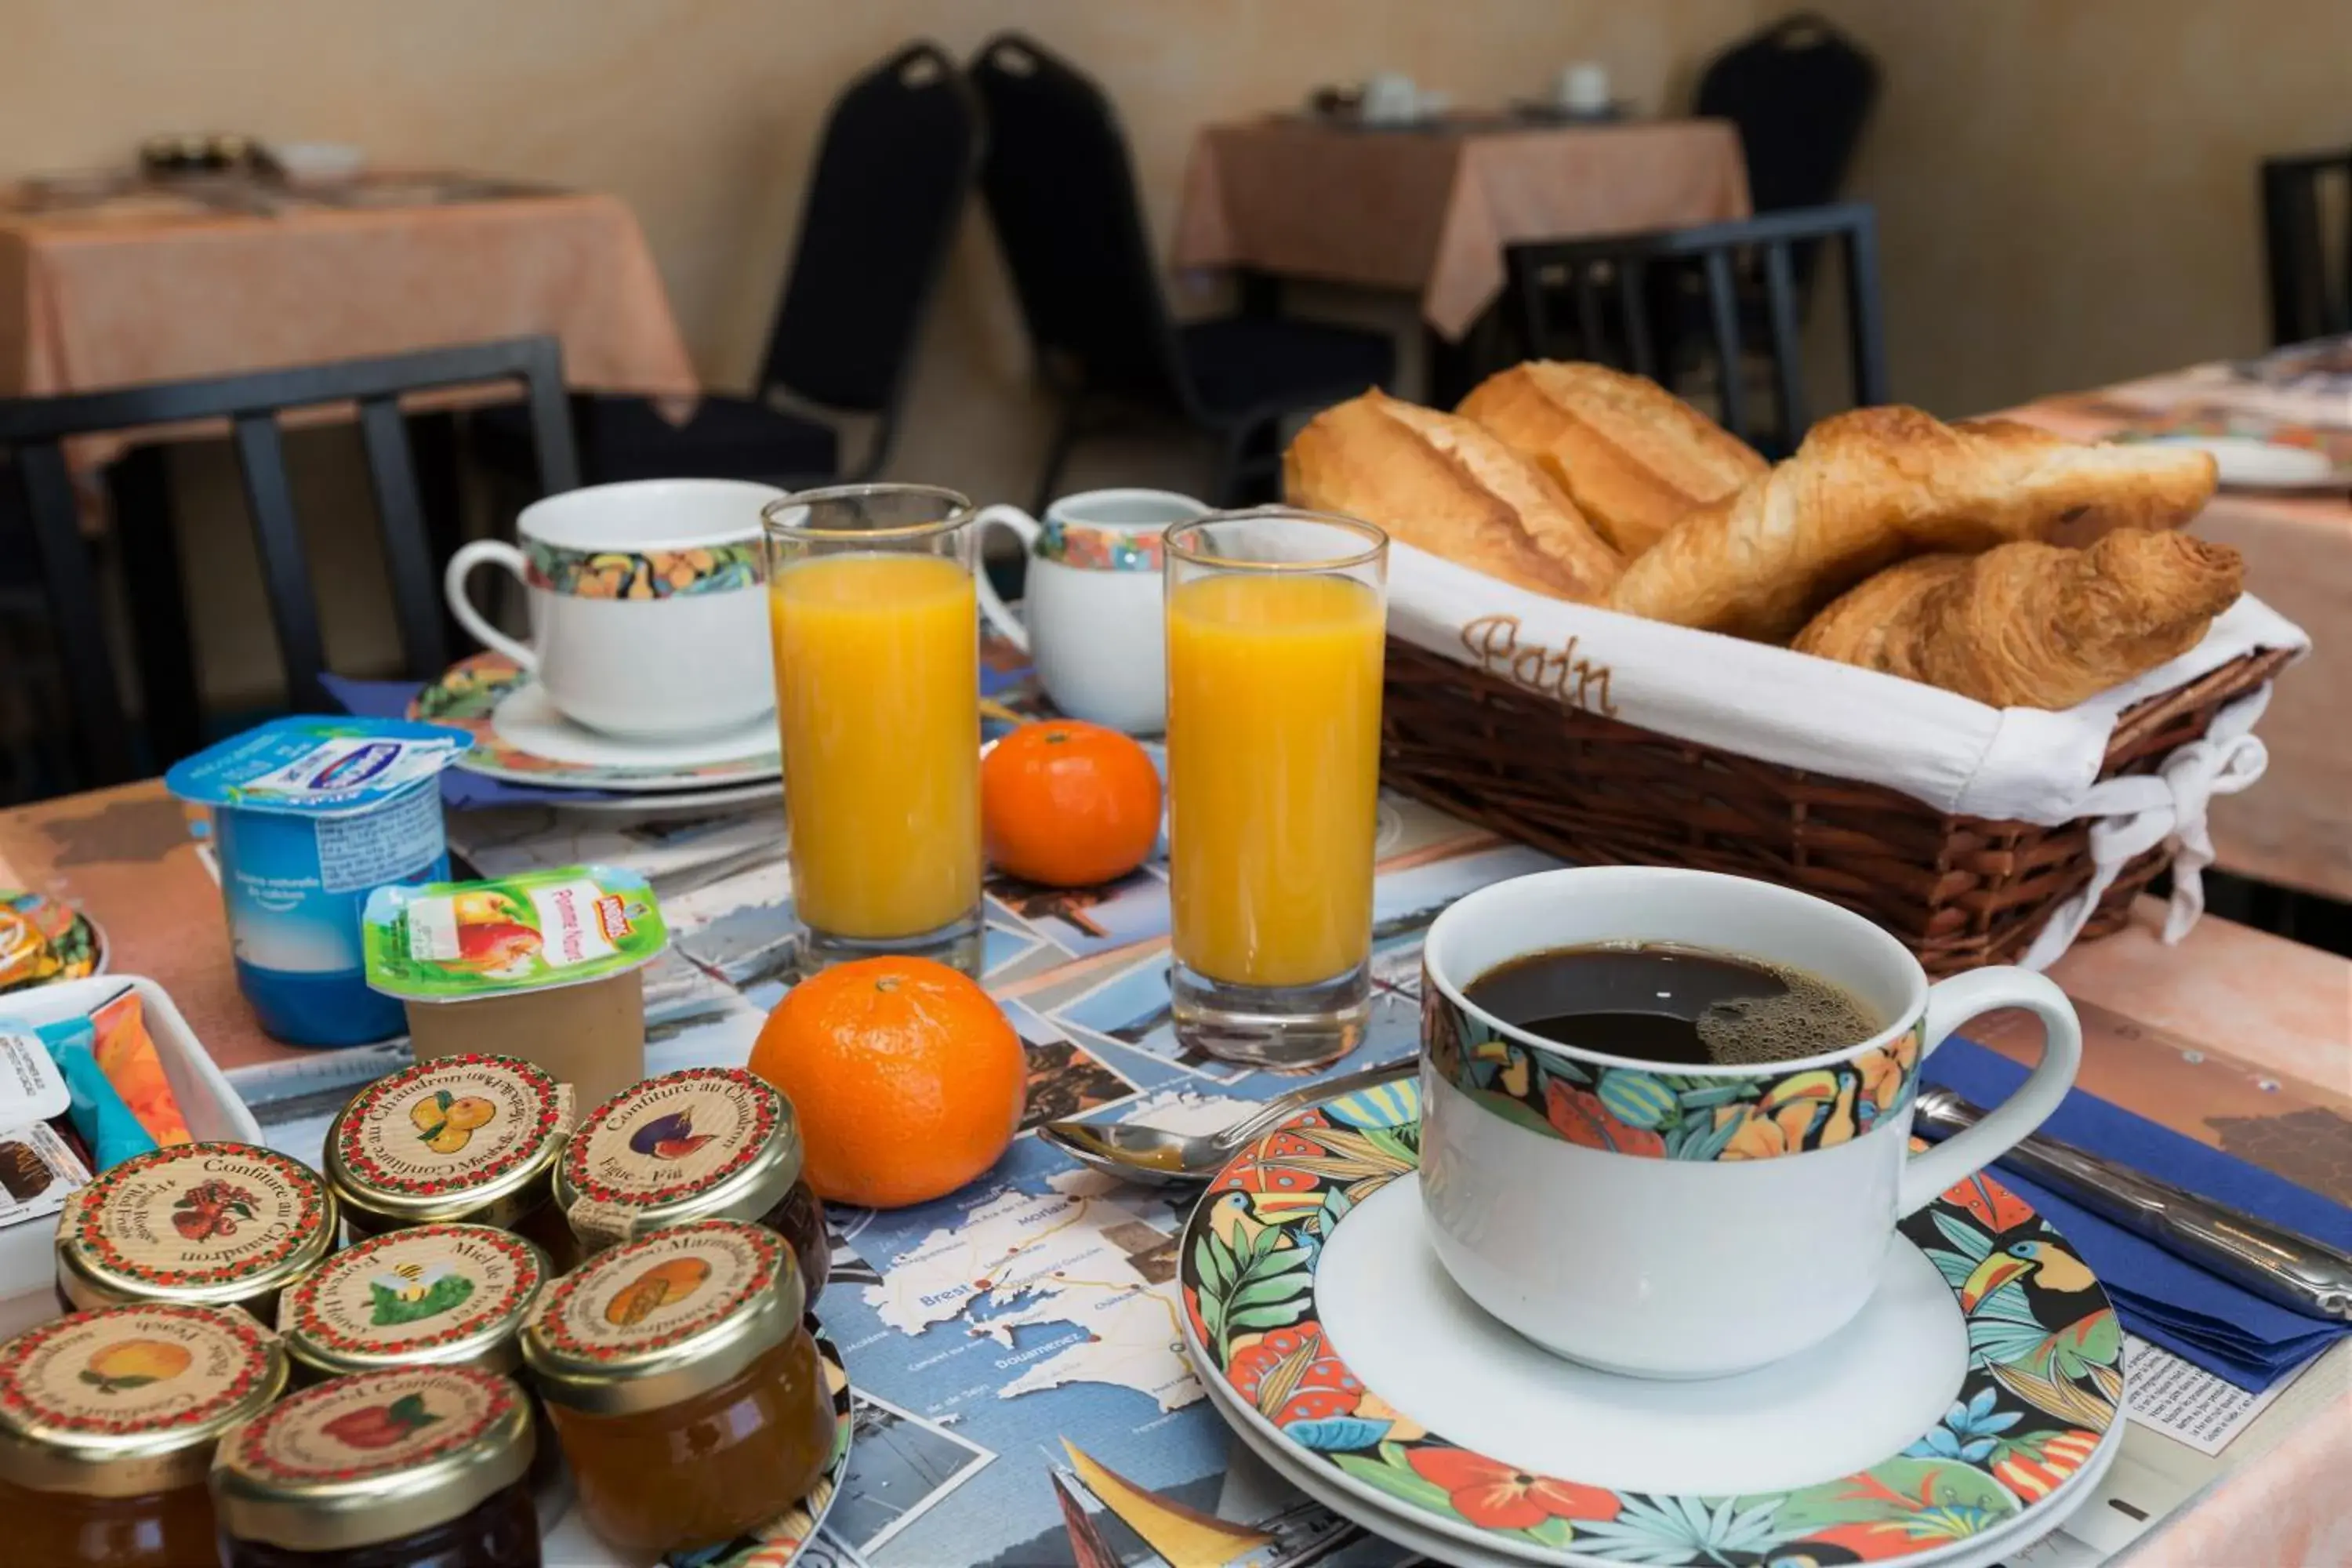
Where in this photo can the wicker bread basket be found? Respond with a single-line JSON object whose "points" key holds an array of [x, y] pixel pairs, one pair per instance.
{"points": [[1959, 891]]}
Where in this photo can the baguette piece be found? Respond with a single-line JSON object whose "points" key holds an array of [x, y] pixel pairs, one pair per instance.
{"points": [[1634, 456], [1872, 485], [2030, 625], [1444, 485]]}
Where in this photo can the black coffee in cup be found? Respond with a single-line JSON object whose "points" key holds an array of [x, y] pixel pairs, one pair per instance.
{"points": [[1677, 1006]]}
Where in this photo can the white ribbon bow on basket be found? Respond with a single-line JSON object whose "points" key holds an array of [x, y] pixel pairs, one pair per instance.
{"points": [[2143, 810]]}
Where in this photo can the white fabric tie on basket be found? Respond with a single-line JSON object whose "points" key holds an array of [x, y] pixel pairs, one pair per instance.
{"points": [[1956, 755]]}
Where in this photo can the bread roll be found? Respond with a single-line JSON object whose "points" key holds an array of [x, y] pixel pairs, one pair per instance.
{"points": [[1444, 485], [1870, 487], [1631, 454], [2030, 625]]}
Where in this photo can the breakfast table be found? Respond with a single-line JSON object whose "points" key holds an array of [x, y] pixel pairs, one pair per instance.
{"points": [[1015, 1421], [2295, 831]]}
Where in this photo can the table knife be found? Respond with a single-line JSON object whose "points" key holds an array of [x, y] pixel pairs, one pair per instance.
{"points": [[2298, 1272]]}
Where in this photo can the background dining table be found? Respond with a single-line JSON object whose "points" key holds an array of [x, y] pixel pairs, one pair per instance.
{"points": [[2293, 829]]}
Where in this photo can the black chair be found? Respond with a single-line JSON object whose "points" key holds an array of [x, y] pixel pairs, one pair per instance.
{"points": [[2310, 279], [1061, 194], [1799, 91], [34, 431], [1593, 299], [892, 171]]}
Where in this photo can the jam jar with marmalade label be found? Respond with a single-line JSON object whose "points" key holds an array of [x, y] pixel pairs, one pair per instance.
{"points": [[107, 1420], [686, 1341], [458, 1140], [382, 1470], [212, 1225], [701, 1143]]}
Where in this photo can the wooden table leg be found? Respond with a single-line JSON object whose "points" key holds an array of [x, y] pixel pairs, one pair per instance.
{"points": [[139, 483]]}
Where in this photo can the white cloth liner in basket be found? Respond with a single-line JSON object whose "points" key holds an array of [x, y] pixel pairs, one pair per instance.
{"points": [[1956, 755]]}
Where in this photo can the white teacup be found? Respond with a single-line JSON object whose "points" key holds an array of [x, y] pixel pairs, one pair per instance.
{"points": [[1391, 98], [1582, 87], [1094, 626], [1683, 1222], [647, 617]]}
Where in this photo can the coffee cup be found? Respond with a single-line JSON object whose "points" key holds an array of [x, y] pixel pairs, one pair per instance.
{"points": [[1391, 98], [1095, 626], [1582, 87], [647, 617], [1692, 1221]]}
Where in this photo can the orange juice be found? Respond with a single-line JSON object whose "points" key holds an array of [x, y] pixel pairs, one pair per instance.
{"points": [[877, 695], [1274, 742]]}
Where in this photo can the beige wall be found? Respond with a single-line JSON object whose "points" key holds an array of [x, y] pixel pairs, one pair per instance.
{"points": [[2067, 190], [702, 115]]}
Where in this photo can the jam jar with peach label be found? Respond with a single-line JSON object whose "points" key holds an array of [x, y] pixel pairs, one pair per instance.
{"points": [[107, 1420], [382, 1470], [440, 1295], [216, 1225], [686, 1341], [468, 1139], [698, 1144]]}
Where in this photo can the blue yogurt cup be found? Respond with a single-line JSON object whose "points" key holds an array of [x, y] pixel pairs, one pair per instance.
{"points": [[309, 815]]}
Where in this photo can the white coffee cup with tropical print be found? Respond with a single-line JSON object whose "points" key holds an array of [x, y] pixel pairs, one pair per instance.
{"points": [[1692, 1221], [648, 617]]}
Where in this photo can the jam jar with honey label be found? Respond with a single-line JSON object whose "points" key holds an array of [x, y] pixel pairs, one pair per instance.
{"points": [[689, 1341], [700, 1144], [465, 1139], [439, 1295], [382, 1470], [214, 1225], [107, 1420]]}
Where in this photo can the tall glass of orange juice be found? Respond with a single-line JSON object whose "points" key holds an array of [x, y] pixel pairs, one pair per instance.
{"points": [[876, 637], [1276, 622]]}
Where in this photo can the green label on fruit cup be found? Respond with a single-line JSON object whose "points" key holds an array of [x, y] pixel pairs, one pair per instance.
{"points": [[452, 942]]}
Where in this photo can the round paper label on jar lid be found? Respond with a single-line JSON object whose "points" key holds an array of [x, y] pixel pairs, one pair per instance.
{"points": [[196, 1213], [371, 1423], [670, 1137], [450, 1124], [659, 1290], [124, 1371], [409, 1291]]}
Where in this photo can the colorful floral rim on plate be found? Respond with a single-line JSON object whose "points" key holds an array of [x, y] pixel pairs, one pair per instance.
{"points": [[649, 575], [1668, 1115], [2028, 1416], [469, 693], [778, 1542]]}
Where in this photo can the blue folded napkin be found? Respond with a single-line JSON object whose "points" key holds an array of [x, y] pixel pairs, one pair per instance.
{"points": [[2198, 1316], [461, 790]]}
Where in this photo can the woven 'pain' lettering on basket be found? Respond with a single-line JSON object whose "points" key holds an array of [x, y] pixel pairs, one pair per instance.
{"points": [[1556, 672]]}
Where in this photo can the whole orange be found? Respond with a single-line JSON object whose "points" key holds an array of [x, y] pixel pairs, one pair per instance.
{"points": [[908, 1080], [1068, 804]]}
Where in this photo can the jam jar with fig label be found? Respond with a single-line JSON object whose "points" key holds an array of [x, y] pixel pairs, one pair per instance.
{"points": [[382, 1470], [217, 1224], [107, 1420], [689, 1341], [468, 1139], [698, 1144]]}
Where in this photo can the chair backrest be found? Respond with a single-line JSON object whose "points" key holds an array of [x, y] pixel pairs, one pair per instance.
{"points": [[2310, 279], [892, 171], [1061, 194], [1799, 91], [36, 429], [1598, 299]]}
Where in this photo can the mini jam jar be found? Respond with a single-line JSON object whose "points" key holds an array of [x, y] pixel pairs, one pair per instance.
{"points": [[700, 1144], [467, 1139], [382, 1470], [211, 1225], [686, 1341], [431, 1295], [106, 1425]]}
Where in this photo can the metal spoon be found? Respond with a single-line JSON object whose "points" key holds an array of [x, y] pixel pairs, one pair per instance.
{"points": [[1134, 1152]]}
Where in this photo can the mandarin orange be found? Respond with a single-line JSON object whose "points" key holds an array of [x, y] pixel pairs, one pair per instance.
{"points": [[907, 1078], [1068, 804]]}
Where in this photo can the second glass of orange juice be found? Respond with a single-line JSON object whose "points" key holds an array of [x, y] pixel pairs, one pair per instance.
{"points": [[877, 639], [1276, 626]]}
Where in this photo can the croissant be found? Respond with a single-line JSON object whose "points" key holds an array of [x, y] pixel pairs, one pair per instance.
{"points": [[1866, 488], [2030, 625]]}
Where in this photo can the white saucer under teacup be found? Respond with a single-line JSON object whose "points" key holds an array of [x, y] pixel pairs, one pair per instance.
{"points": [[526, 719], [1342, 1350]]}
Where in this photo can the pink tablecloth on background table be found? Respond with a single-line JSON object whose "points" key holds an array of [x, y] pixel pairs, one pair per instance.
{"points": [[1428, 212]]}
